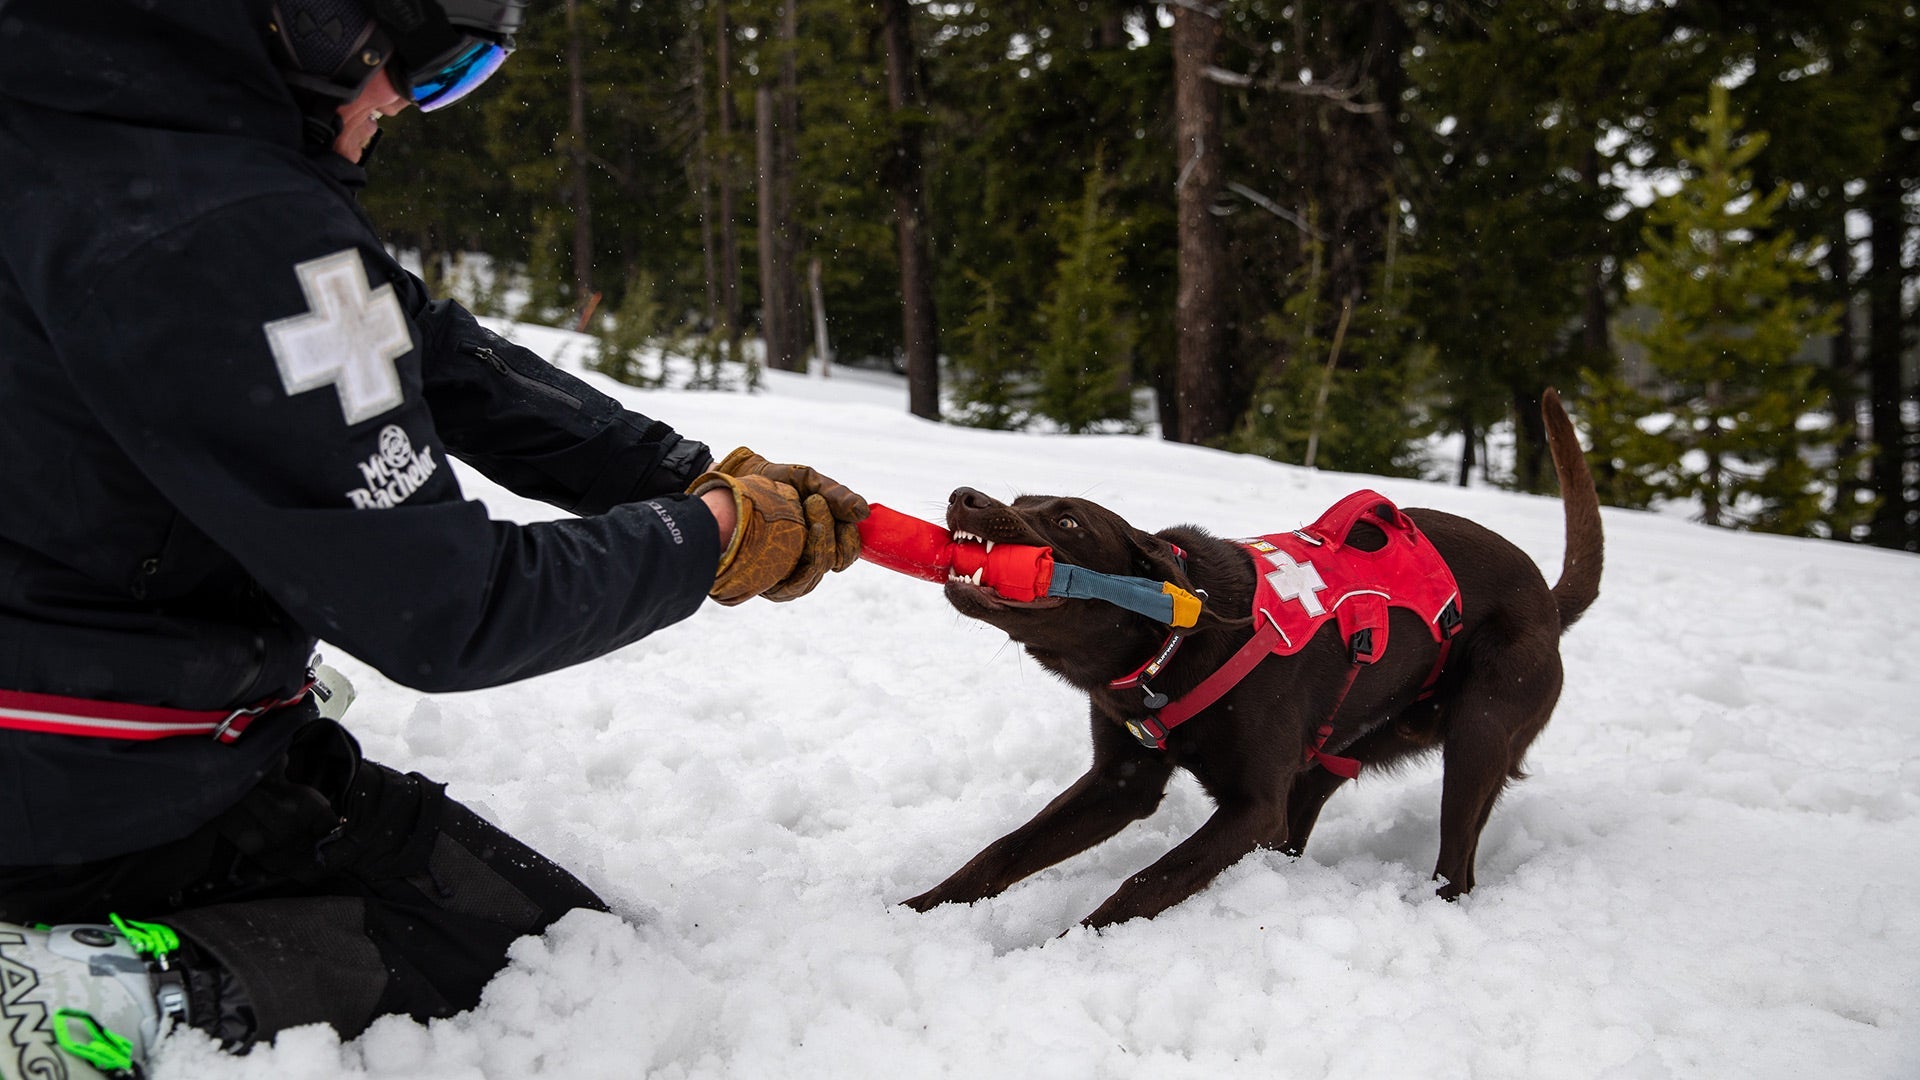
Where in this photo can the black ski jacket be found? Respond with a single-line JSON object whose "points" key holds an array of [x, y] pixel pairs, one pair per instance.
{"points": [[225, 421]]}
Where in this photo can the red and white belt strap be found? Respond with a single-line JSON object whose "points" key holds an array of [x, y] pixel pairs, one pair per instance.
{"points": [[56, 715]]}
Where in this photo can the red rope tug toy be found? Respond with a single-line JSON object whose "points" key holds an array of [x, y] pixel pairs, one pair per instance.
{"points": [[1018, 572], [924, 550]]}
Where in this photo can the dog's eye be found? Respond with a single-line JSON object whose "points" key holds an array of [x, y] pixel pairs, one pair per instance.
{"points": [[1066, 521]]}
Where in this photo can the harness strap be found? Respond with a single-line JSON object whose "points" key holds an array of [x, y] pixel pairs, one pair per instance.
{"points": [[1209, 691], [55, 715], [1316, 754], [1153, 730]]}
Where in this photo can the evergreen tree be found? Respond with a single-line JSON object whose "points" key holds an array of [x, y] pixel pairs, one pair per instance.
{"points": [[1344, 392], [1022, 97], [1728, 294], [987, 365], [1523, 112], [1085, 360]]}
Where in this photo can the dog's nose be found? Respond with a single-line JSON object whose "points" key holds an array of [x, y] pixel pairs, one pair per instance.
{"points": [[969, 499]]}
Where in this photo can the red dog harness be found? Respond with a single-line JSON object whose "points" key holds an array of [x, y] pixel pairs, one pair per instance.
{"points": [[1307, 577]]}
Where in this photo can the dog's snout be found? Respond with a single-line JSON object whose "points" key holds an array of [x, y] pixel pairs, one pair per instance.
{"points": [[967, 498]]}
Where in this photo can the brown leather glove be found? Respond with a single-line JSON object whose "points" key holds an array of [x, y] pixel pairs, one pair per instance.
{"points": [[845, 509], [768, 540]]}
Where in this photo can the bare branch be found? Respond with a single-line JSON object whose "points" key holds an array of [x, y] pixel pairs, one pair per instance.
{"points": [[1274, 208], [1208, 10], [1339, 95]]}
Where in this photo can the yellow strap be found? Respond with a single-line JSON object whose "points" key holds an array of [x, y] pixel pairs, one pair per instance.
{"points": [[1186, 606]]}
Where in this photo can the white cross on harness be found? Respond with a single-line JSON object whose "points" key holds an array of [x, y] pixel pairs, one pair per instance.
{"points": [[1296, 581], [348, 339]]}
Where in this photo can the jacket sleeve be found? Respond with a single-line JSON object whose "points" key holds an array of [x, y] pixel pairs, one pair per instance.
{"points": [[260, 371], [538, 431]]}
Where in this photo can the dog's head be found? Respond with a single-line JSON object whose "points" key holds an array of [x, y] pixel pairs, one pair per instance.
{"points": [[1075, 638]]}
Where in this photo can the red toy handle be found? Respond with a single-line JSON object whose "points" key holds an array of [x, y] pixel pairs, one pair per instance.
{"points": [[924, 550]]}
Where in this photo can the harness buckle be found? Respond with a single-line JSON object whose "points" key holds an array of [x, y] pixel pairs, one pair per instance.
{"points": [[1144, 731], [1361, 646]]}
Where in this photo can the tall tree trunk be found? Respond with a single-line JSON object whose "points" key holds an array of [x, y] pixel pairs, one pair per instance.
{"points": [[1530, 444], [701, 175], [919, 330], [775, 115], [577, 154], [1843, 364], [776, 274], [1199, 321], [1891, 527], [1469, 445], [772, 302], [822, 345], [1713, 489], [1596, 341], [730, 306], [787, 132]]}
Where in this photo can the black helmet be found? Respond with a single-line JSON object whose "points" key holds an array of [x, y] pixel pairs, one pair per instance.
{"points": [[440, 50]]}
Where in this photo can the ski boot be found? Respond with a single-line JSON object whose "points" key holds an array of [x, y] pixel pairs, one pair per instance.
{"points": [[86, 1001]]}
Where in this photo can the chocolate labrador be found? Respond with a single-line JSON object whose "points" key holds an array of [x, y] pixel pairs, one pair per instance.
{"points": [[1478, 680]]}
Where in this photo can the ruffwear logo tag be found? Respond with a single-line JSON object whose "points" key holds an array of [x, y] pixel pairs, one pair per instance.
{"points": [[348, 339], [24, 1035], [395, 472]]}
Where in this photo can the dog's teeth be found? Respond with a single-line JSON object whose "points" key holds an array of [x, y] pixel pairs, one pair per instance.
{"points": [[989, 544], [977, 575]]}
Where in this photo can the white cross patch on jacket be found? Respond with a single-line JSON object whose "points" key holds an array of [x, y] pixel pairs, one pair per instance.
{"points": [[349, 338]]}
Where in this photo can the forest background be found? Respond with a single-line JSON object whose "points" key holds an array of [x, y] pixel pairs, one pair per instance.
{"points": [[1317, 231]]}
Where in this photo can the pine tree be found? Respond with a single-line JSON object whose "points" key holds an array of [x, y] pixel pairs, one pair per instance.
{"points": [[1729, 303], [1346, 398], [986, 376], [1085, 360]]}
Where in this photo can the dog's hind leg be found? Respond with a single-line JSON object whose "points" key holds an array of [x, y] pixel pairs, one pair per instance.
{"points": [[1494, 718], [1121, 788], [1413, 732]]}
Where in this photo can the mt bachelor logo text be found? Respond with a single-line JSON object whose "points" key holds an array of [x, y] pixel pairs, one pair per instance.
{"points": [[394, 473]]}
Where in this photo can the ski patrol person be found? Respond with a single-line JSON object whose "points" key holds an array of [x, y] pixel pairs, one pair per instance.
{"points": [[228, 417]]}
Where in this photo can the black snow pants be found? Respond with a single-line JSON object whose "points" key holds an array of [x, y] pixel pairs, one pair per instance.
{"points": [[338, 890]]}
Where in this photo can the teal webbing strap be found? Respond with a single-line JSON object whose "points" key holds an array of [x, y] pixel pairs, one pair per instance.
{"points": [[1148, 598]]}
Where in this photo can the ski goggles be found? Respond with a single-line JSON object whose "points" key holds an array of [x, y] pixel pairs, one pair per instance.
{"points": [[468, 65]]}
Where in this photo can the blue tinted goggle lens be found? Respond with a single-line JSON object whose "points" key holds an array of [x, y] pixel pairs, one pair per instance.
{"points": [[459, 76]]}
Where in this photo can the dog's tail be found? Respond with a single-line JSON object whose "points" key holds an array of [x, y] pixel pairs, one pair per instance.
{"points": [[1579, 583]]}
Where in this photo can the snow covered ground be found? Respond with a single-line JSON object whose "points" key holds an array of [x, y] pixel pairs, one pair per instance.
{"points": [[1714, 871]]}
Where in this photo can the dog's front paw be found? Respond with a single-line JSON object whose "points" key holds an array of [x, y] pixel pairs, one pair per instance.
{"points": [[926, 901]]}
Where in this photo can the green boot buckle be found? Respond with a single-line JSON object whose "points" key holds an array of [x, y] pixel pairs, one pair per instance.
{"points": [[79, 1034], [110, 1053]]}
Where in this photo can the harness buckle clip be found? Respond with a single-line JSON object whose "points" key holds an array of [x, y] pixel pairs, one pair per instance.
{"points": [[1360, 646], [1150, 732]]}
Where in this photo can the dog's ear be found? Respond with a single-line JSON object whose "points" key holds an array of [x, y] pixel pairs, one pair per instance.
{"points": [[1154, 558]]}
